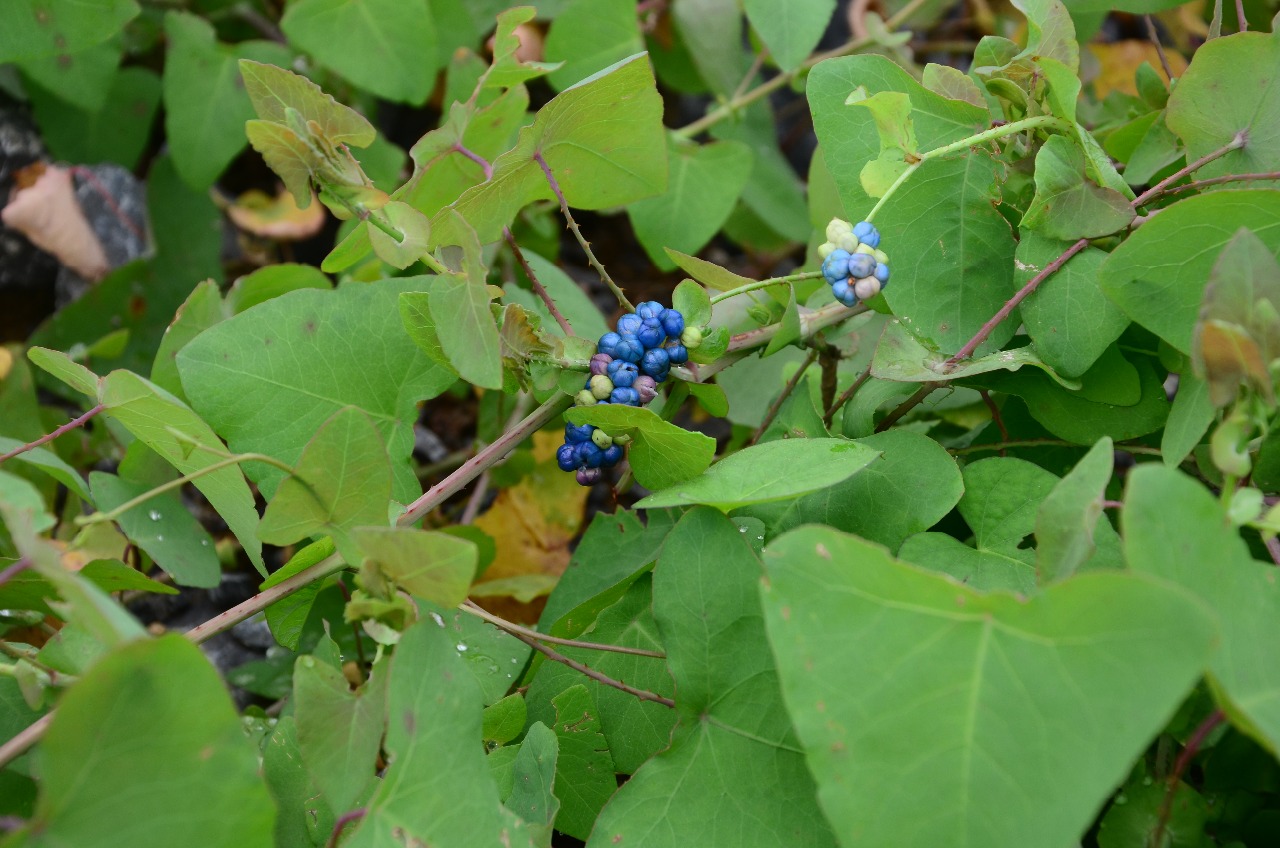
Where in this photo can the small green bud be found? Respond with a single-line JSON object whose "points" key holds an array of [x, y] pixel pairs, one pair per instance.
{"points": [[602, 440], [691, 337], [623, 439]]}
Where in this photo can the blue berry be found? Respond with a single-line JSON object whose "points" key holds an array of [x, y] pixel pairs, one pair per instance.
{"points": [[650, 309], [624, 374], [882, 273], [628, 349], [867, 234], [861, 265], [629, 323], [656, 361], [677, 353], [567, 457], [608, 344], [651, 334], [589, 455], [575, 434], [672, 322], [844, 293], [630, 397], [612, 456], [836, 265]]}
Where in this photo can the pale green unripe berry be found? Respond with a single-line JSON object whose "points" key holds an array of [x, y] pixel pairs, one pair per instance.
{"points": [[602, 440], [691, 338], [881, 257], [867, 249], [848, 241], [601, 387], [838, 228], [622, 439], [584, 398], [824, 249]]}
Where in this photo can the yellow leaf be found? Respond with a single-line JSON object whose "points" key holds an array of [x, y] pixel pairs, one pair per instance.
{"points": [[1120, 61], [276, 217]]}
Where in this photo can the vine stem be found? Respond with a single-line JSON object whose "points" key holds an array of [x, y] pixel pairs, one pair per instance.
{"points": [[538, 288], [1155, 39], [344, 820], [1270, 176], [846, 396], [1197, 738], [1034, 123], [906, 406], [556, 656], [49, 437], [787, 389], [756, 285], [774, 83], [14, 570], [514, 629], [1046, 443], [577, 234]]}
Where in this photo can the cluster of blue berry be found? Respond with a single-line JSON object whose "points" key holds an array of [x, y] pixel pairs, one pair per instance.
{"points": [[627, 369], [852, 261]]}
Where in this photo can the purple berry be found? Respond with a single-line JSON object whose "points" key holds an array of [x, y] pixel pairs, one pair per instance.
{"points": [[672, 322], [646, 388], [588, 476], [600, 363], [567, 457]]}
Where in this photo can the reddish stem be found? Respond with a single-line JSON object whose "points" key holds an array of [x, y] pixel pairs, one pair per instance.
{"points": [[556, 656], [538, 288], [458, 147], [776, 406], [906, 406], [65, 428], [995, 416], [344, 820], [14, 570], [846, 397], [1192, 748]]}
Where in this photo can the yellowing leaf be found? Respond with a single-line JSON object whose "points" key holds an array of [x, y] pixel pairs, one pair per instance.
{"points": [[276, 217], [1120, 60]]}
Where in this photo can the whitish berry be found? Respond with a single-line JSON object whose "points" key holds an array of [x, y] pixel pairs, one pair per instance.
{"points": [[881, 256], [838, 228], [866, 288], [848, 242], [584, 398], [824, 249]]}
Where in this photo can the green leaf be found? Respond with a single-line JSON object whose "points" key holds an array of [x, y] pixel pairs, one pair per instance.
{"points": [[339, 731], [37, 28], [274, 91], [415, 231], [585, 778], [504, 721], [438, 789], [202, 309], [772, 471], [588, 35], [1068, 317], [437, 567], [163, 528], [902, 358], [907, 489], [1189, 419], [789, 329], [773, 198], [705, 183], [1067, 204], [534, 775], [733, 749], [711, 31], [341, 481], [269, 377], [205, 104], [301, 809], [1066, 520], [270, 282], [976, 698], [287, 616], [112, 575], [1175, 529], [1076, 417], [790, 29], [1229, 89], [634, 729], [1167, 260], [91, 137], [953, 84], [67, 370], [661, 454], [127, 729], [602, 139], [50, 463], [508, 70], [708, 273], [81, 80], [574, 303], [464, 323], [347, 36], [153, 415], [691, 301]]}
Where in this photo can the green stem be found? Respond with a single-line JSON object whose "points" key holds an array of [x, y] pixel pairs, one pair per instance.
{"points": [[764, 284], [114, 514], [1038, 122]]}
